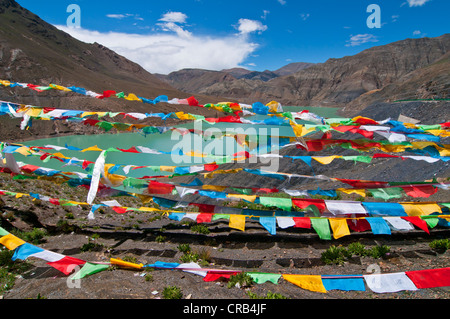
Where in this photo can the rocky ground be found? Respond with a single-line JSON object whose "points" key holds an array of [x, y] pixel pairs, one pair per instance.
{"points": [[147, 238]]}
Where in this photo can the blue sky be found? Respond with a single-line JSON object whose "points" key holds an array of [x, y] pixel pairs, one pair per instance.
{"points": [[165, 36]]}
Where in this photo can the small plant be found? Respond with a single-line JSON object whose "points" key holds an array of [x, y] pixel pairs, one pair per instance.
{"points": [[69, 216], [440, 244], [148, 277], [160, 239], [91, 245], [241, 280], [184, 248], [189, 257], [379, 251], [335, 255], [200, 229], [357, 249], [172, 292]]}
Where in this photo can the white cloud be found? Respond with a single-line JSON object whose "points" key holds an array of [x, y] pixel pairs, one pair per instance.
{"points": [[164, 52], [247, 26], [176, 17], [417, 3], [359, 39], [123, 16], [282, 2], [417, 32], [265, 14]]}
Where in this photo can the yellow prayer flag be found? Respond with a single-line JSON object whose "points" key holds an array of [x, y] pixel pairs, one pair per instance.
{"points": [[325, 159], [361, 192], [339, 227], [121, 263], [11, 242], [214, 188], [23, 150], [421, 209], [237, 222], [84, 114], [59, 87], [92, 149], [300, 130], [167, 168], [250, 198], [33, 112], [148, 209], [132, 97], [308, 282], [274, 106]]}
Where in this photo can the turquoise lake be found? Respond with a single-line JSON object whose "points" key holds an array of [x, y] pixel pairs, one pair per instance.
{"points": [[165, 142]]}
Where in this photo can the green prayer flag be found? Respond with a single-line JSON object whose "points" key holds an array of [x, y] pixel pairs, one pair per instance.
{"points": [[431, 221], [105, 126], [387, 193], [282, 203], [261, 278], [358, 158], [89, 269], [3, 232], [220, 216], [322, 227], [243, 191]]}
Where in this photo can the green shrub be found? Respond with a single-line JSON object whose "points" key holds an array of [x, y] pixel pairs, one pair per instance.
{"points": [[200, 229], [358, 249], [379, 251], [189, 257], [184, 248], [172, 292], [335, 255], [440, 244], [241, 279]]}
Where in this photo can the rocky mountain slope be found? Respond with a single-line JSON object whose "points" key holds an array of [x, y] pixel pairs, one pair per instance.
{"points": [[411, 65], [198, 80]]}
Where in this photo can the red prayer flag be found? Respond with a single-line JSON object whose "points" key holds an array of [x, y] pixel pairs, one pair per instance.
{"points": [[303, 203], [120, 210], [204, 218], [213, 276], [430, 278], [420, 191], [417, 221], [66, 264], [211, 167], [358, 225], [130, 150], [204, 208], [302, 222], [160, 188]]}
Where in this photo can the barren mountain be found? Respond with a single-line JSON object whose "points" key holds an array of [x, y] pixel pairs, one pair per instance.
{"points": [[340, 81]]}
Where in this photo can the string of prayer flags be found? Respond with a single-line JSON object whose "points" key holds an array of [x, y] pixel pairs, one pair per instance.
{"points": [[377, 283]]}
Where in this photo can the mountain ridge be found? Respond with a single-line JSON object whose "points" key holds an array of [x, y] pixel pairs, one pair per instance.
{"points": [[336, 82]]}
